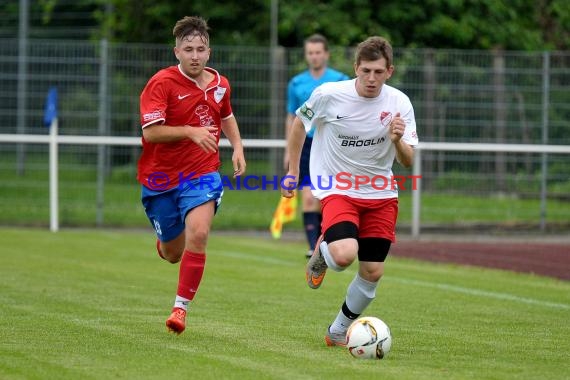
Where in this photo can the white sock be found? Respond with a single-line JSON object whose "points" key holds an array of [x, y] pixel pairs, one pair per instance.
{"points": [[181, 302], [359, 295], [341, 323], [324, 248]]}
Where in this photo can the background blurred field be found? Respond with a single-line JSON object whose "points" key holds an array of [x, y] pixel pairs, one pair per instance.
{"points": [[456, 205], [92, 304]]}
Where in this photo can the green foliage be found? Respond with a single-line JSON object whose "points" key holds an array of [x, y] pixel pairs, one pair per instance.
{"points": [[242, 23], [480, 24], [436, 23], [47, 9], [464, 24]]}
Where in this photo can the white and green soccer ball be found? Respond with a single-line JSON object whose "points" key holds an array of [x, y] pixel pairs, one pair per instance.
{"points": [[368, 338]]}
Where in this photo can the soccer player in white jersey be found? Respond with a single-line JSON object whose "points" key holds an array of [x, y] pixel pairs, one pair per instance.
{"points": [[362, 125]]}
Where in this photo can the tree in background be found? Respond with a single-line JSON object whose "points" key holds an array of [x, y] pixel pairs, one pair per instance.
{"points": [[462, 24], [244, 22]]}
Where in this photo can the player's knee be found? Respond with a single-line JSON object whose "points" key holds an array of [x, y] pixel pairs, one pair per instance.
{"points": [[373, 249], [372, 273], [342, 242], [173, 259], [344, 251], [172, 250], [171, 255], [372, 253], [198, 238]]}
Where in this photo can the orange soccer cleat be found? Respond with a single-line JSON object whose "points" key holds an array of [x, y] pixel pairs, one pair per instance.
{"points": [[316, 267], [176, 323], [335, 339]]}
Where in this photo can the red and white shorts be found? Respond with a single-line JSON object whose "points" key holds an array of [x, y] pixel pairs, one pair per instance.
{"points": [[373, 217]]}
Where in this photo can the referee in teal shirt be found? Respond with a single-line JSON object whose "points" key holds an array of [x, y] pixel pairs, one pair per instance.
{"points": [[299, 89]]}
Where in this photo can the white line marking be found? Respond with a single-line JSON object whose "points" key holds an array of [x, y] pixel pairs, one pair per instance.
{"points": [[265, 259], [408, 281], [477, 292]]}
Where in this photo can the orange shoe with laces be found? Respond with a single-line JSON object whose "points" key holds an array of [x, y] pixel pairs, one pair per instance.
{"points": [[335, 339], [176, 323]]}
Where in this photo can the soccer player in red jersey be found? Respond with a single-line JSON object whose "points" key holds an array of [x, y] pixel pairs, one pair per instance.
{"points": [[183, 108]]}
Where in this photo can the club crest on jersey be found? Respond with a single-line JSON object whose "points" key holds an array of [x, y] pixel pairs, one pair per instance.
{"points": [[219, 94], [203, 112], [385, 118], [307, 112]]}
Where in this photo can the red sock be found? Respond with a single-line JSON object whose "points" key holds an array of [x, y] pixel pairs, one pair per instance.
{"points": [[191, 270]]}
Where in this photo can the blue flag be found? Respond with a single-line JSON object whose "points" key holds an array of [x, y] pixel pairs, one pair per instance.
{"points": [[50, 112]]}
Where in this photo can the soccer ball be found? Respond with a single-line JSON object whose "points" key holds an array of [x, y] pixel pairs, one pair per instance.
{"points": [[368, 338]]}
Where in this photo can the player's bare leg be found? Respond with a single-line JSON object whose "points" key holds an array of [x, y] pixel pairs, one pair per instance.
{"points": [[371, 271], [197, 229], [172, 250], [341, 253]]}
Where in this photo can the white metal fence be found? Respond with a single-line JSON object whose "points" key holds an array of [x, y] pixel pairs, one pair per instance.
{"points": [[481, 97], [54, 140]]}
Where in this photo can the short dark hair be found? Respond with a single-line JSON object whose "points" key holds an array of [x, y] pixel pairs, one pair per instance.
{"points": [[191, 25], [318, 39], [374, 48]]}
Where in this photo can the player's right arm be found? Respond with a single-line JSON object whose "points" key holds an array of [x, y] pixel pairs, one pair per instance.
{"points": [[294, 146], [288, 126], [159, 133]]}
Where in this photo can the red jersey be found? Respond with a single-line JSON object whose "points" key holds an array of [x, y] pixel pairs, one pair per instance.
{"points": [[172, 98]]}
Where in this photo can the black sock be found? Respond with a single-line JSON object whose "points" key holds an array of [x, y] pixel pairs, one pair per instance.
{"points": [[312, 222]]}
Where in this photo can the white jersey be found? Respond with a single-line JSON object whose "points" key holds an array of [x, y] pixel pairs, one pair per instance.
{"points": [[352, 153]]}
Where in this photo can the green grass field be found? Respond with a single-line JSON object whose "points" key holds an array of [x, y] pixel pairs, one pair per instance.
{"points": [[92, 305]]}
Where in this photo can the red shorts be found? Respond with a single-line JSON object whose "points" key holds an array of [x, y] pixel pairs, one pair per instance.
{"points": [[373, 217]]}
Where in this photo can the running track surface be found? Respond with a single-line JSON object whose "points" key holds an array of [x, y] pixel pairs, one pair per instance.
{"points": [[541, 258]]}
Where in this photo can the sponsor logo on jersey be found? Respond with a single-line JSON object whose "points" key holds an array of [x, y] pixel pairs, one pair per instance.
{"points": [[347, 137], [307, 112], [219, 94], [367, 142], [385, 118], [180, 97], [153, 115]]}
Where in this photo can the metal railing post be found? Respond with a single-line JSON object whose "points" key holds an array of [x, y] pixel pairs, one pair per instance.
{"points": [[416, 193], [53, 177]]}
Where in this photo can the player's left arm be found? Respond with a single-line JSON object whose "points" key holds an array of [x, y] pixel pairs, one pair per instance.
{"points": [[231, 131], [404, 151]]}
